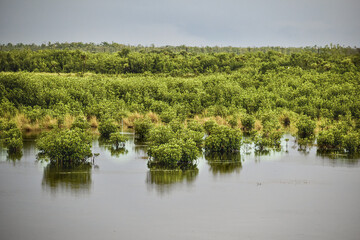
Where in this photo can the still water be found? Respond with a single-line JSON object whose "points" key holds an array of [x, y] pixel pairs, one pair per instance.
{"points": [[284, 195]]}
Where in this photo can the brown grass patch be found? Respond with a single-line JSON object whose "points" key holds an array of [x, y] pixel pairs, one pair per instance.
{"points": [[258, 125], [220, 120], [129, 121], [153, 117], [93, 122], [25, 124], [68, 121], [48, 122]]}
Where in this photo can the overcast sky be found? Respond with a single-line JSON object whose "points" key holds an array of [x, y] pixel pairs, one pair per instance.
{"points": [[190, 22]]}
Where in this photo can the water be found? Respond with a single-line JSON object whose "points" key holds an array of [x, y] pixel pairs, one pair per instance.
{"points": [[283, 195]]}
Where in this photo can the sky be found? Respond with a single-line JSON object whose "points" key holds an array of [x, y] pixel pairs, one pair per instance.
{"points": [[238, 23]]}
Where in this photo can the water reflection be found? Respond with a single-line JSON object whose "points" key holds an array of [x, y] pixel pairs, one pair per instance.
{"points": [[339, 159], [165, 181], [115, 152], [77, 180], [224, 163], [14, 157]]}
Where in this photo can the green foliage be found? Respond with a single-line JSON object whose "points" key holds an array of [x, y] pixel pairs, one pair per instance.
{"points": [[81, 123], [65, 147], [142, 127], [11, 137], [195, 126], [343, 136], [173, 147], [351, 142], [117, 139], [168, 115], [187, 134], [267, 139], [305, 127], [161, 135], [223, 139], [176, 125], [6, 107], [247, 121], [210, 126], [183, 82], [165, 155], [107, 127], [233, 122], [177, 154]]}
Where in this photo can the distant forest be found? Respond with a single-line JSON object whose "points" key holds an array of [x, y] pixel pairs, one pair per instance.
{"points": [[116, 58], [116, 47]]}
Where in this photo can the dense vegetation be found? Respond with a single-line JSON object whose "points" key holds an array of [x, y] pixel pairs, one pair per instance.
{"points": [[172, 96], [65, 147]]}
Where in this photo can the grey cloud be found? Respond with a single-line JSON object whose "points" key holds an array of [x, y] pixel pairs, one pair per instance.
{"points": [[162, 22]]}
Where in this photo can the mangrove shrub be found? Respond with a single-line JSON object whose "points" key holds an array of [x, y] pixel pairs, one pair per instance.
{"points": [[65, 147], [223, 139]]}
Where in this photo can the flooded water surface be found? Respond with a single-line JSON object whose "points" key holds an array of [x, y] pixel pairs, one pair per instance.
{"points": [[283, 195]]}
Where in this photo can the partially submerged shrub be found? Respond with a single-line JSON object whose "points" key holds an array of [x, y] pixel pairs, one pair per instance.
{"points": [[11, 137], [176, 154], [107, 127], [173, 148], [223, 139], [351, 142], [142, 127], [248, 123], [266, 140], [65, 147], [117, 139], [305, 127], [160, 135], [339, 138]]}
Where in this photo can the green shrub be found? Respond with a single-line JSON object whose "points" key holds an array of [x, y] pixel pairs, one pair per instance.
{"points": [[11, 137], [142, 127], [266, 140], [80, 122], [107, 127], [331, 139], [168, 115], [186, 134], [160, 135], [176, 154], [351, 142], [117, 139], [248, 123], [65, 147], [305, 127], [195, 126], [209, 126], [223, 139], [166, 155], [176, 125], [233, 122]]}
